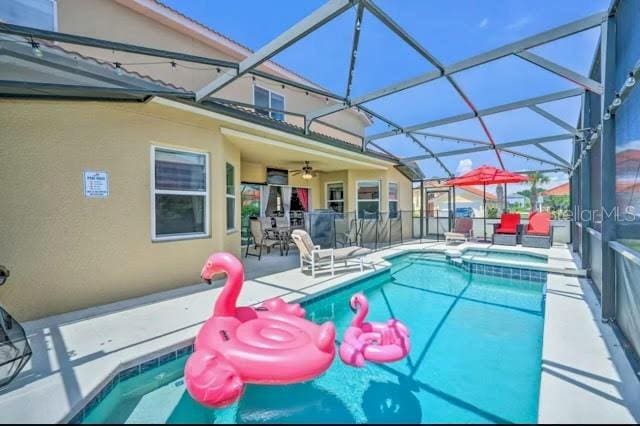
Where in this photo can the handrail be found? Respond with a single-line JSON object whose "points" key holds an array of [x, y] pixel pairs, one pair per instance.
{"points": [[627, 252]]}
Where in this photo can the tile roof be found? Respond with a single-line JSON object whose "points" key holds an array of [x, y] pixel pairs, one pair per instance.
{"points": [[558, 190]]}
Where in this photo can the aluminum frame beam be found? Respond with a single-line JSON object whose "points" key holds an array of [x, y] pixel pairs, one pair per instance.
{"points": [[484, 112], [472, 107], [354, 46], [555, 120], [552, 154], [110, 45], [501, 146], [574, 77], [451, 138], [435, 156], [402, 33], [307, 25], [491, 55], [384, 150], [522, 172]]}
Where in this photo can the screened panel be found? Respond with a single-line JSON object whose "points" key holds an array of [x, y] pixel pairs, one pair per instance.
{"points": [[627, 124], [383, 58], [507, 80], [455, 33], [581, 45], [433, 100]]}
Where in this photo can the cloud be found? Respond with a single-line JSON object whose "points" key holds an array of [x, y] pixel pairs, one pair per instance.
{"points": [[518, 24], [483, 23], [464, 166]]}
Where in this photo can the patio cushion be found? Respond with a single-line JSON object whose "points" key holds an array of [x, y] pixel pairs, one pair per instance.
{"points": [[304, 242], [347, 252], [508, 223], [539, 223]]}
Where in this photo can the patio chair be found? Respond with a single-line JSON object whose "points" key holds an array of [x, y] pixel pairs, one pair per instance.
{"points": [[462, 230], [539, 232], [315, 257], [262, 236], [346, 234], [506, 232]]}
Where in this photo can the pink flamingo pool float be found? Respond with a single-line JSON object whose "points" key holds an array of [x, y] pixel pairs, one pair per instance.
{"points": [[372, 341], [271, 344]]}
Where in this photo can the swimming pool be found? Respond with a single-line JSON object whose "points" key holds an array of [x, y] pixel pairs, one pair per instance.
{"points": [[475, 357], [479, 254]]}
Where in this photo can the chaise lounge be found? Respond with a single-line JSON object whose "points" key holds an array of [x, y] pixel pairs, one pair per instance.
{"points": [[315, 256]]}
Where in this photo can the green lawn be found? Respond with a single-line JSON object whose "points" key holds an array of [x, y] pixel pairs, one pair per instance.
{"points": [[632, 244]]}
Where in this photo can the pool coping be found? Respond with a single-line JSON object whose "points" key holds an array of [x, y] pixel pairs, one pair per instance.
{"points": [[179, 339]]}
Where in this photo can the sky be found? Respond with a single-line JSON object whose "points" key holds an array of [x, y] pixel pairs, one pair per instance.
{"points": [[450, 31]]}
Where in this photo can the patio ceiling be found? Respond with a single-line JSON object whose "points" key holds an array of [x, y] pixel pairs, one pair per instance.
{"points": [[435, 116]]}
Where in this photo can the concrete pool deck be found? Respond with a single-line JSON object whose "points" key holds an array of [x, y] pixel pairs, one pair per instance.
{"points": [[586, 376]]}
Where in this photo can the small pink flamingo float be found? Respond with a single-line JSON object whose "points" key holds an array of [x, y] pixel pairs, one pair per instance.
{"points": [[271, 344], [372, 341]]}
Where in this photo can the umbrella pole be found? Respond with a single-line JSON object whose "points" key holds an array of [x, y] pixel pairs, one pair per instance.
{"points": [[484, 206]]}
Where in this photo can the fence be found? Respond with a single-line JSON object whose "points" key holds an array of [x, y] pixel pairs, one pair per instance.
{"points": [[375, 231]]}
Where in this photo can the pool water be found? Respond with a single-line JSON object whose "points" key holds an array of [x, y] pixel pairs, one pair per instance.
{"points": [[475, 357], [505, 255]]}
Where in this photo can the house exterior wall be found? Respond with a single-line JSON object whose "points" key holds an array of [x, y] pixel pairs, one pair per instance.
{"points": [[111, 20], [67, 252], [405, 192]]}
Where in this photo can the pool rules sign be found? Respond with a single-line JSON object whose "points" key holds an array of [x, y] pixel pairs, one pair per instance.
{"points": [[96, 184]]}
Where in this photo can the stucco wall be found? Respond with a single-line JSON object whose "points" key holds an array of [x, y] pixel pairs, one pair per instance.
{"points": [[110, 20], [390, 175], [67, 252]]}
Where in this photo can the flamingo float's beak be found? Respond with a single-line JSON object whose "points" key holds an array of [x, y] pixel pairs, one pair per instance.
{"points": [[326, 337]]}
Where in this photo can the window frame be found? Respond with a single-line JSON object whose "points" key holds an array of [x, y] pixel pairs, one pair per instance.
{"points": [[358, 182], [228, 196], [153, 192], [326, 195], [270, 92], [397, 200]]}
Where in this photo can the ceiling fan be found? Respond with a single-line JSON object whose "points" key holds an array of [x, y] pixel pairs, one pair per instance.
{"points": [[306, 171]]}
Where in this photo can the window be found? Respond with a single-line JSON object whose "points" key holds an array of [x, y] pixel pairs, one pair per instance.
{"points": [[335, 197], [393, 200], [179, 186], [30, 13], [368, 199], [231, 198], [264, 100]]}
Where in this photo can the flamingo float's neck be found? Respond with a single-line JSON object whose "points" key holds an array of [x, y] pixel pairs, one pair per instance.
{"points": [[361, 305], [226, 303]]}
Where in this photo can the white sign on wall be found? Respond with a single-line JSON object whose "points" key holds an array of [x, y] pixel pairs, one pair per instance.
{"points": [[96, 184]]}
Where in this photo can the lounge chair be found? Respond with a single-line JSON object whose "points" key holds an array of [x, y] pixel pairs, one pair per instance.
{"points": [[263, 237], [506, 232], [539, 232], [314, 256], [462, 230]]}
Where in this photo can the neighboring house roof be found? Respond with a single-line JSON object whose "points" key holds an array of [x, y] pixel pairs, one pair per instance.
{"points": [[472, 190], [559, 190], [622, 187], [477, 192], [160, 12], [628, 155]]}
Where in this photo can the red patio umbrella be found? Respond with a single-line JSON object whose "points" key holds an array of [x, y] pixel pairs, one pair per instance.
{"points": [[486, 175]]}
